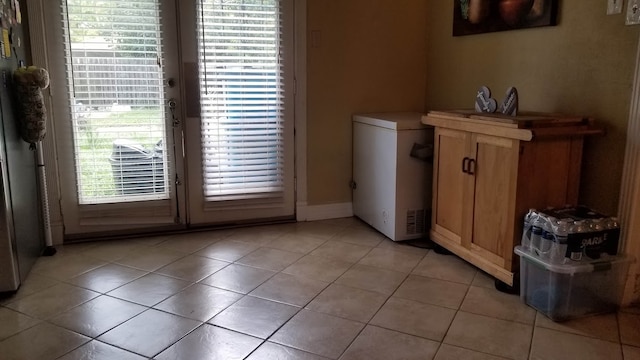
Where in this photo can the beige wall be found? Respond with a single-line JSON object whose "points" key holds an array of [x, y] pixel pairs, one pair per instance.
{"points": [[363, 56], [584, 66]]}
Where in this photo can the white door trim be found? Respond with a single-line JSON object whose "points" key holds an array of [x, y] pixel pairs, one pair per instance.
{"points": [[300, 105], [38, 47], [629, 204], [324, 212]]}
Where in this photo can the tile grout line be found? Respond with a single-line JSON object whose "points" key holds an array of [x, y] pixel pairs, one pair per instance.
{"points": [[300, 308], [75, 348], [469, 286], [365, 324], [455, 315], [52, 316], [100, 294], [388, 297], [533, 334], [303, 307], [368, 323], [202, 323], [620, 335], [148, 307], [191, 284]]}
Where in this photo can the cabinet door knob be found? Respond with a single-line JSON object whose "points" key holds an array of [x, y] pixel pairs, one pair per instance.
{"points": [[471, 169], [465, 165]]}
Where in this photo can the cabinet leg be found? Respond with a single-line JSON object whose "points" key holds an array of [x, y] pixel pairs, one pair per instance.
{"points": [[440, 250], [424, 243], [508, 289]]}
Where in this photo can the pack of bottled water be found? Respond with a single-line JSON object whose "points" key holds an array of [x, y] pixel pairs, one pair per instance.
{"points": [[570, 234]]}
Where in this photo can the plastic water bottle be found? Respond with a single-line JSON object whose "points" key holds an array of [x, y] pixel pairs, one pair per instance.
{"points": [[596, 228], [579, 227], [612, 228], [536, 234], [526, 229], [596, 225], [548, 238], [559, 250], [612, 223]]}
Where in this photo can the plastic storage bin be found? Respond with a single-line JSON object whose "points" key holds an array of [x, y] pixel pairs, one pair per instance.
{"points": [[568, 291]]}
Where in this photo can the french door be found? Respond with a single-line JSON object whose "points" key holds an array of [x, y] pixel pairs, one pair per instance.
{"points": [[163, 125], [240, 135]]}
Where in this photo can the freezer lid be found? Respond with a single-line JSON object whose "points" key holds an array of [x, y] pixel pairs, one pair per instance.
{"points": [[393, 121]]}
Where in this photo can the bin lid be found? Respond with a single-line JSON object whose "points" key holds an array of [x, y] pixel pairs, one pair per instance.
{"points": [[604, 263], [393, 121], [128, 150]]}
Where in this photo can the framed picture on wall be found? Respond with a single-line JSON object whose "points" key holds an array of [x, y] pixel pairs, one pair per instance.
{"points": [[481, 16]]}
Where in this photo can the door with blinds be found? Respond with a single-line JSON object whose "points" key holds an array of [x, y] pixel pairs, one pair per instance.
{"points": [[117, 113], [130, 154], [239, 140]]}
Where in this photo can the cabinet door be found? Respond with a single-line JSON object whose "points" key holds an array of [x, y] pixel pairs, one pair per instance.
{"points": [[451, 147], [494, 171]]}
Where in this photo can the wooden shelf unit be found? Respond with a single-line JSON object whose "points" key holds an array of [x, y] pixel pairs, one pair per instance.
{"points": [[489, 169]]}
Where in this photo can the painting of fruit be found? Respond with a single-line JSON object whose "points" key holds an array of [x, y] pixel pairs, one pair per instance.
{"points": [[481, 16]]}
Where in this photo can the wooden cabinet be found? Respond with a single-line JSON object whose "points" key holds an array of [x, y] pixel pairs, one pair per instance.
{"points": [[489, 170]]}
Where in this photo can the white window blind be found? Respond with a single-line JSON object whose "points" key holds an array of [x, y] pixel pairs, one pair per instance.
{"points": [[241, 98], [115, 78]]}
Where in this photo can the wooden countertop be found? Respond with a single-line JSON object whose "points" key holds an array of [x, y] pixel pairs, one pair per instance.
{"points": [[525, 126]]}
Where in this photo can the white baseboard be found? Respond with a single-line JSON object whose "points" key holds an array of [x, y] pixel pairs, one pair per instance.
{"points": [[306, 212]]}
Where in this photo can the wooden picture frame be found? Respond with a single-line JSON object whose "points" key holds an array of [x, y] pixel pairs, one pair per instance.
{"points": [[481, 16]]}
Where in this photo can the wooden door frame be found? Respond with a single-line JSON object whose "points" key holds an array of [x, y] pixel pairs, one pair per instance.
{"points": [[100, 220], [300, 112], [37, 39], [629, 204]]}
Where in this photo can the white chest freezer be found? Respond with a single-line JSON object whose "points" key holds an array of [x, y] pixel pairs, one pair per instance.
{"points": [[392, 173]]}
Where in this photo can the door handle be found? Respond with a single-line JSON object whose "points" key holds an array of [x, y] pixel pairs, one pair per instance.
{"points": [[172, 108], [465, 165], [471, 170]]}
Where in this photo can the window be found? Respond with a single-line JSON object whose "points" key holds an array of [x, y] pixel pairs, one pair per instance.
{"points": [[114, 69], [242, 91]]}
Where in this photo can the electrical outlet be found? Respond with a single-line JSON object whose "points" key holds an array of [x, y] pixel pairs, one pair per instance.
{"points": [[633, 12], [614, 7]]}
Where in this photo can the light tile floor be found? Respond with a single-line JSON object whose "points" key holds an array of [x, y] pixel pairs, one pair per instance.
{"points": [[331, 289]]}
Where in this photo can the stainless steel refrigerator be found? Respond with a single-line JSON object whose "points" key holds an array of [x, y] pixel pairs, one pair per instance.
{"points": [[21, 231]]}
